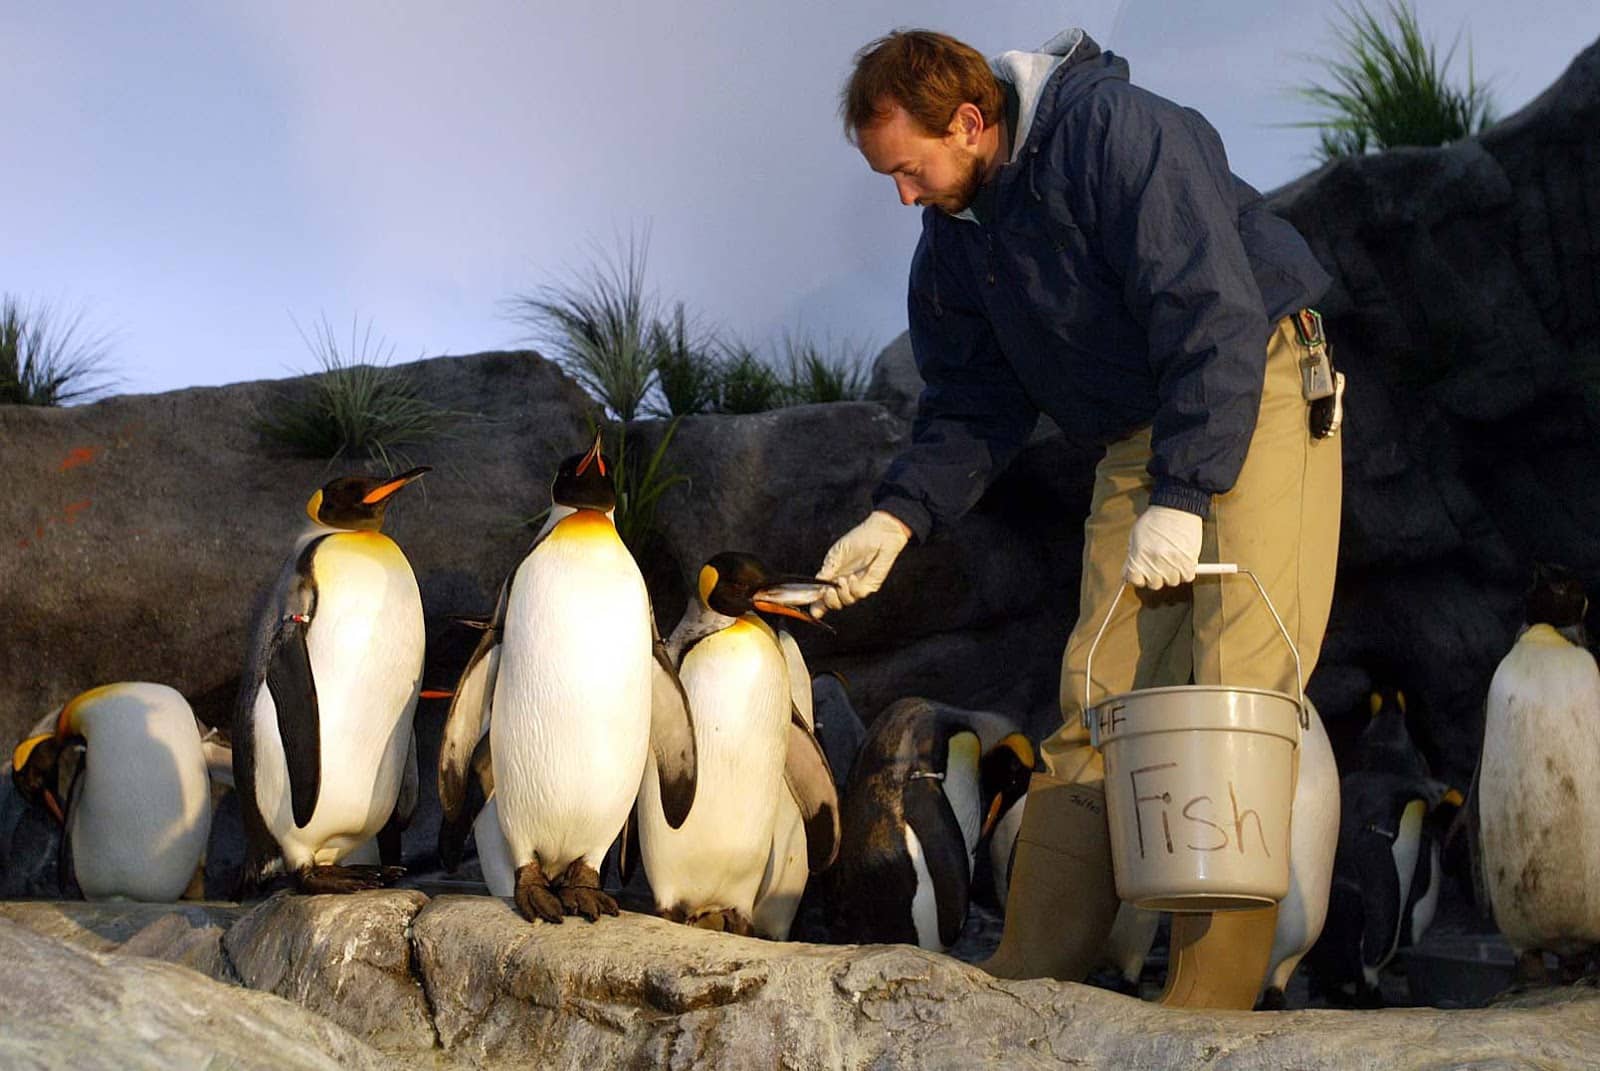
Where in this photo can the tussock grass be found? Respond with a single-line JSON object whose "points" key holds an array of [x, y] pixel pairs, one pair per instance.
{"points": [[597, 325], [358, 406], [48, 356], [822, 372], [687, 378], [1390, 88]]}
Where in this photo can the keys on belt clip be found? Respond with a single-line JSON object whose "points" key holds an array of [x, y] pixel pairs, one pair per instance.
{"points": [[1320, 385]]}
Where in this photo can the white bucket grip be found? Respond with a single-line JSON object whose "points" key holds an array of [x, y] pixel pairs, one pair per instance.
{"points": [[1199, 781]]}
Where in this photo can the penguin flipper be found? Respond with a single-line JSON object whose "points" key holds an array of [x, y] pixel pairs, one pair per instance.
{"points": [[454, 828], [468, 720], [944, 852], [799, 678], [405, 806], [294, 694], [671, 736], [1380, 896], [810, 781]]}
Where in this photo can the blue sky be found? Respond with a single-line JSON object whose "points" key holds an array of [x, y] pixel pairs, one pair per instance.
{"points": [[194, 174]]}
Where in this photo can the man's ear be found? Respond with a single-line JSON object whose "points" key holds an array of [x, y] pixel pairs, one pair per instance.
{"points": [[967, 123]]}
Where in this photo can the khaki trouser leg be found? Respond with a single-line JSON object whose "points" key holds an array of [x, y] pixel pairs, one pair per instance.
{"points": [[1281, 521]]}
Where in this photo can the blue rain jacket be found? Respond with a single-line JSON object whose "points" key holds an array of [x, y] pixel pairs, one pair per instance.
{"points": [[1113, 275]]}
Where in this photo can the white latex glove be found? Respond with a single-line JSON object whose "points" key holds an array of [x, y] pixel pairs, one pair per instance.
{"points": [[1164, 548], [860, 560]]}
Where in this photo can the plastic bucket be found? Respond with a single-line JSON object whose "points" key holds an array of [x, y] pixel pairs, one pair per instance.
{"points": [[1199, 782]]}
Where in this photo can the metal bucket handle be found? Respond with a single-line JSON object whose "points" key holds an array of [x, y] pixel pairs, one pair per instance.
{"points": [[1204, 569]]}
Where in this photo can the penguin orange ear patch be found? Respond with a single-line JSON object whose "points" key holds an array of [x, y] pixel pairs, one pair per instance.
{"points": [[1374, 704]]}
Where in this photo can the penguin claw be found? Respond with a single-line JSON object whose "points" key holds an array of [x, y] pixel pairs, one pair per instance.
{"points": [[581, 893], [341, 880], [533, 895], [590, 903]]}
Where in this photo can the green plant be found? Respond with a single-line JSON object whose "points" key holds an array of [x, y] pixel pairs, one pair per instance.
{"points": [[686, 375], [358, 405], [597, 327], [640, 480], [46, 358], [1389, 89], [746, 383], [822, 373]]}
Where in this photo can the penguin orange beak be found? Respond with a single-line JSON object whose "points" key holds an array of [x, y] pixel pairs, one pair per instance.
{"points": [[992, 817], [384, 490], [592, 457], [53, 806], [787, 596]]}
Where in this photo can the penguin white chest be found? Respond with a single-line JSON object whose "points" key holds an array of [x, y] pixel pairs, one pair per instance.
{"points": [[571, 720], [738, 689], [1538, 812], [366, 645]]}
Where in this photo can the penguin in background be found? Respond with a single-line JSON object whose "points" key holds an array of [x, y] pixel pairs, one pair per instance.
{"points": [[324, 756], [1537, 809], [927, 789], [572, 688], [1375, 900], [766, 812], [123, 770]]}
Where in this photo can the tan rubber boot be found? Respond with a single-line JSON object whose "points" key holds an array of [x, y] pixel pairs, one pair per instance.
{"points": [[1219, 960], [1062, 898]]}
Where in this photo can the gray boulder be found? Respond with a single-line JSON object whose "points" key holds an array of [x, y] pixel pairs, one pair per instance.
{"points": [[347, 958], [65, 1006]]}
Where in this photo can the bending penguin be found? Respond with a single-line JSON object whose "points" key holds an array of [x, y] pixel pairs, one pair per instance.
{"points": [[324, 756], [765, 813], [929, 785], [124, 772], [576, 690], [1538, 811]]}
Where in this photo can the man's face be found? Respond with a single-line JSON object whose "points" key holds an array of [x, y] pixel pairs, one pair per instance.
{"points": [[944, 172]]}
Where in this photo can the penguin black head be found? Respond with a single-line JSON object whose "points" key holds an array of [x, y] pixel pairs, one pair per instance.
{"points": [[1385, 744], [584, 481], [734, 584], [357, 503], [44, 766], [1555, 599], [1003, 776]]}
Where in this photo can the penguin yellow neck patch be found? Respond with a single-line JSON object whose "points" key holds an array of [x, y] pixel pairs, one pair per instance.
{"points": [[585, 524]]}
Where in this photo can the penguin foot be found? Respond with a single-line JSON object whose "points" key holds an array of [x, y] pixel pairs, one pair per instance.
{"points": [[347, 879], [723, 920], [1272, 999], [533, 895], [581, 893]]}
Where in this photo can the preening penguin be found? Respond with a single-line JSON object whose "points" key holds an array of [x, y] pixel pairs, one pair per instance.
{"points": [[125, 773], [766, 811], [1538, 810], [929, 785], [576, 690], [322, 733]]}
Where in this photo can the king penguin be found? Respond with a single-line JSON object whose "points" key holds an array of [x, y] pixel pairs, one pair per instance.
{"points": [[1538, 810], [323, 749], [1382, 838], [758, 759], [571, 687], [1313, 845], [124, 772], [928, 786]]}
